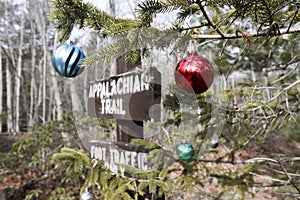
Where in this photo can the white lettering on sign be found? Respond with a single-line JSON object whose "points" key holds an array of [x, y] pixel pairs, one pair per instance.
{"points": [[122, 85], [112, 106], [113, 158], [109, 92]]}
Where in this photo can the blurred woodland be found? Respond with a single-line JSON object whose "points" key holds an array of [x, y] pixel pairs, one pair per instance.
{"points": [[255, 47]]}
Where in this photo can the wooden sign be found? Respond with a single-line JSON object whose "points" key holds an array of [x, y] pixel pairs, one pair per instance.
{"points": [[127, 96], [130, 98], [116, 154]]}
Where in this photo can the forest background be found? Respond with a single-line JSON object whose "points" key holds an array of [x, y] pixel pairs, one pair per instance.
{"points": [[256, 49]]}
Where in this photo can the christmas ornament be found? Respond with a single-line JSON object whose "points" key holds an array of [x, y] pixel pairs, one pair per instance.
{"points": [[194, 74], [214, 144], [235, 106], [66, 60], [86, 196], [185, 151]]}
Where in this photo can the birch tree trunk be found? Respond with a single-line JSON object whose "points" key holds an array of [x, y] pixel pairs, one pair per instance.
{"points": [[35, 8], [18, 77], [112, 8], [113, 67], [57, 93], [44, 72], [50, 98], [40, 90], [76, 102], [41, 21], [33, 84], [9, 98], [85, 91], [11, 60], [57, 96]]}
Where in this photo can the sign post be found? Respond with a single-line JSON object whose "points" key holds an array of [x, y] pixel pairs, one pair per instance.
{"points": [[130, 97]]}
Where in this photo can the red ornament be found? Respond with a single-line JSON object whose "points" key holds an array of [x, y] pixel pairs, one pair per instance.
{"points": [[235, 106], [194, 74]]}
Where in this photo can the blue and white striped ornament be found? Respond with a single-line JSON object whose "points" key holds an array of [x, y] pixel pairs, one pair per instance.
{"points": [[66, 60]]}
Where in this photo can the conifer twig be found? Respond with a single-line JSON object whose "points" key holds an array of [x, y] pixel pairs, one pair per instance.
{"points": [[270, 178], [208, 19], [294, 17], [250, 161], [290, 179], [237, 36]]}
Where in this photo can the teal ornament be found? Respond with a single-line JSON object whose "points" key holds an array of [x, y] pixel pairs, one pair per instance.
{"points": [[185, 151], [67, 59]]}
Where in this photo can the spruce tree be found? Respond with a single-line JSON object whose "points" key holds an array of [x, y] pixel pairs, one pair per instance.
{"points": [[266, 34]]}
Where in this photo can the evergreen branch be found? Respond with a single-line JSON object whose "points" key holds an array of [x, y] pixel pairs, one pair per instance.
{"points": [[70, 13], [284, 90], [194, 27], [149, 8], [75, 156], [290, 179], [248, 35], [131, 41], [208, 19], [269, 11], [186, 12], [294, 17]]}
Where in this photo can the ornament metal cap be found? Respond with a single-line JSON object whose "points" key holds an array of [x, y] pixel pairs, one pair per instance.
{"points": [[191, 47], [86, 196]]}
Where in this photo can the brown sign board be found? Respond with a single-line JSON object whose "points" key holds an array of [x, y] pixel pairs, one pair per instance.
{"points": [[116, 154], [127, 96]]}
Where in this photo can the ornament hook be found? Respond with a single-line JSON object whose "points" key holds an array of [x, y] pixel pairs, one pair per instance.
{"points": [[190, 47]]}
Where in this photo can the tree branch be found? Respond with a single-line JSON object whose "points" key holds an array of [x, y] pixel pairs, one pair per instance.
{"points": [[294, 17], [190, 28], [289, 177], [248, 35], [284, 90], [208, 19], [251, 161], [269, 178]]}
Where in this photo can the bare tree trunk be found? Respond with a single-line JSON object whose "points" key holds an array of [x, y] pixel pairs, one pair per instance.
{"points": [[9, 98], [41, 22], [76, 102], [35, 8], [44, 75], [85, 91], [113, 67], [112, 7], [18, 77], [9, 105], [1, 90], [40, 91], [51, 103], [132, 8], [33, 85], [57, 97], [57, 93]]}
